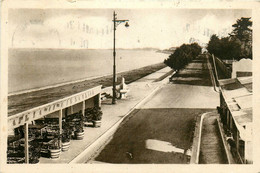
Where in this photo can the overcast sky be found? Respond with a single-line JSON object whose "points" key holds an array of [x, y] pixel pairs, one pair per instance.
{"points": [[93, 28]]}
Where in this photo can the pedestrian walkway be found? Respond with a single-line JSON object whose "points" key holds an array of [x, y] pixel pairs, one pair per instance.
{"points": [[211, 148], [139, 90], [167, 118]]}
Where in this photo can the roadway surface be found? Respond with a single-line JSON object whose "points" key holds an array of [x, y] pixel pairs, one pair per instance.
{"points": [[161, 131], [112, 114]]}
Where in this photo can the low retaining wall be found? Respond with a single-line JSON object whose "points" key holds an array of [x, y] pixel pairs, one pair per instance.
{"points": [[221, 66]]}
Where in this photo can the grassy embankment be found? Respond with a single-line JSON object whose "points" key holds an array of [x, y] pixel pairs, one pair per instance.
{"points": [[25, 101]]}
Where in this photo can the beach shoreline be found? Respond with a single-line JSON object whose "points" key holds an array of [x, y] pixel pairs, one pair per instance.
{"points": [[27, 100]]}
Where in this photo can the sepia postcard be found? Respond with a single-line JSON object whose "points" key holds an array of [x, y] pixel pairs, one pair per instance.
{"points": [[129, 86]]}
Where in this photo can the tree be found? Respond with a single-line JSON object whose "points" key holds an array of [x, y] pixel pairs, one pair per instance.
{"points": [[242, 29], [213, 46], [183, 55], [224, 48], [238, 45], [230, 49], [242, 34]]}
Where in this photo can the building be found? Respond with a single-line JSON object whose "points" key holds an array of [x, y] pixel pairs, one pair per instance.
{"points": [[57, 109], [242, 68], [236, 115]]}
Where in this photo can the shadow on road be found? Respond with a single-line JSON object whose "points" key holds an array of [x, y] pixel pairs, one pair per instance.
{"points": [[172, 125], [196, 73]]}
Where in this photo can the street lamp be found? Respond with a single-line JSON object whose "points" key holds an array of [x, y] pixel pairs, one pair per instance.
{"points": [[116, 23]]}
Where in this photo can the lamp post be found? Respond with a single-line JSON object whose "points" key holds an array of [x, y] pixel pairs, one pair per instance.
{"points": [[116, 23]]}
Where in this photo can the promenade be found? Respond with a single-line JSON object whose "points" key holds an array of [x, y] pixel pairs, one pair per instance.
{"points": [[161, 129], [112, 114], [157, 113]]}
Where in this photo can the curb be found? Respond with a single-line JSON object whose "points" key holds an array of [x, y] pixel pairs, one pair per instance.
{"points": [[195, 149], [166, 75], [164, 80], [174, 72], [93, 148], [225, 144]]}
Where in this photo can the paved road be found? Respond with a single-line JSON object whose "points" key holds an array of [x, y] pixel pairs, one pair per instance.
{"points": [[165, 121], [111, 115]]}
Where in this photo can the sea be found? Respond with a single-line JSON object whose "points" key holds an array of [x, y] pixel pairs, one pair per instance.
{"points": [[30, 69]]}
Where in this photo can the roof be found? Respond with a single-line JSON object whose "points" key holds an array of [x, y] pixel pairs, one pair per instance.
{"points": [[244, 102], [238, 95], [243, 117], [246, 82], [46, 109], [236, 83]]}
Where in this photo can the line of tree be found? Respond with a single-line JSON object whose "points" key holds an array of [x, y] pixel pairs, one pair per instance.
{"points": [[183, 55], [237, 45]]}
